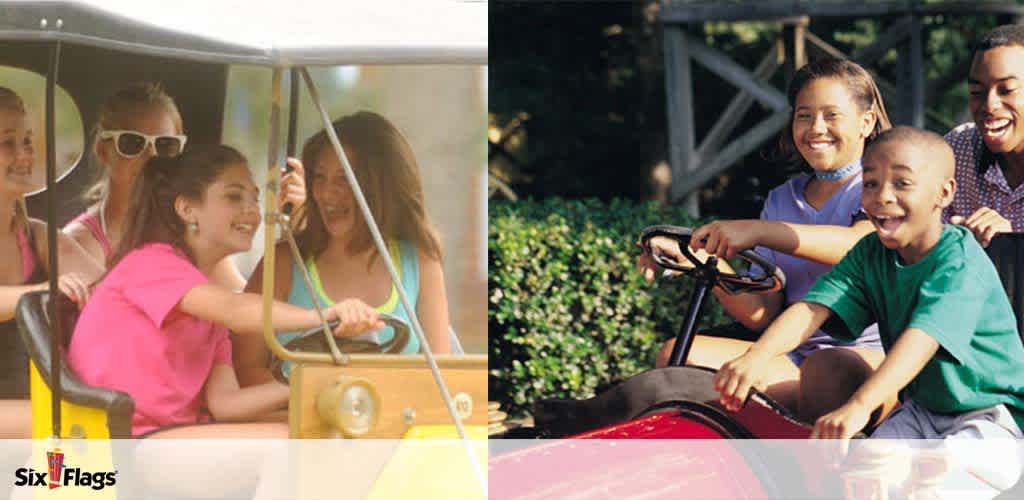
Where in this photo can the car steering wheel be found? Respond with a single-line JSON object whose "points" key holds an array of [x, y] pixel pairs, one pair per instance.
{"points": [[772, 280], [313, 340]]}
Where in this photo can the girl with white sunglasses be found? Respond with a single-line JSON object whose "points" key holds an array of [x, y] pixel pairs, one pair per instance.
{"points": [[136, 123]]}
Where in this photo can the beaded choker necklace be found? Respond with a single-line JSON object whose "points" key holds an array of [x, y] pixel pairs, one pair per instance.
{"points": [[835, 175]]}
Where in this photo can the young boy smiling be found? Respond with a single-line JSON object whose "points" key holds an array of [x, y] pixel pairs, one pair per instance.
{"points": [[946, 324]]}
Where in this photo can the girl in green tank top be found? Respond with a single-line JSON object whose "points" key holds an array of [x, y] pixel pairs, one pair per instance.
{"points": [[337, 247]]}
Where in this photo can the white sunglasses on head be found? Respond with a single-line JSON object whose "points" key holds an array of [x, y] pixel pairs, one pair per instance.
{"points": [[130, 143]]}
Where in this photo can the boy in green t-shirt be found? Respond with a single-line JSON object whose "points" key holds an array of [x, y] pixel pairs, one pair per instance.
{"points": [[946, 324]]}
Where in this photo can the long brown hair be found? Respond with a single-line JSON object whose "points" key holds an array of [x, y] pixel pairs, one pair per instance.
{"points": [[389, 176], [857, 81], [131, 99], [12, 102], [161, 181]]}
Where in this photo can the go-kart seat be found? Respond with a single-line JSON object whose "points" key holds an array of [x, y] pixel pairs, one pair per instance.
{"points": [[86, 411], [1007, 253]]}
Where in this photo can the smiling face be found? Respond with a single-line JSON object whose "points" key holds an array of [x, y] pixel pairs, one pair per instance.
{"points": [[228, 214], [333, 195], [17, 152], [149, 120], [997, 99], [828, 126], [905, 189]]}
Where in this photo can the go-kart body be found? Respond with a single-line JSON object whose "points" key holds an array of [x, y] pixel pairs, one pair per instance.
{"points": [[626, 441]]}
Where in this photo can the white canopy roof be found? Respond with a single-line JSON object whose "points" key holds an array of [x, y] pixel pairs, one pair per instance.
{"points": [[265, 32]]}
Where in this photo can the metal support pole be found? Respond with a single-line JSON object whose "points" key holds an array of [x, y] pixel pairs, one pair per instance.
{"points": [[270, 213], [679, 101], [57, 337]]}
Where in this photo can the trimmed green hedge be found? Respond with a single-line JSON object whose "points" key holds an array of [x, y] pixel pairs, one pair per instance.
{"points": [[568, 312]]}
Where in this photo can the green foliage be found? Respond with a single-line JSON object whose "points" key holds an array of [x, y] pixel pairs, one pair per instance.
{"points": [[568, 312]]}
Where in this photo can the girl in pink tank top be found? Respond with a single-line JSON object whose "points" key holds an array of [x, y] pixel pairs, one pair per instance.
{"points": [[23, 240]]}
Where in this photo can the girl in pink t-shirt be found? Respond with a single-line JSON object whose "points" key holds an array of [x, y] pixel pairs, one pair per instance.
{"points": [[157, 328]]}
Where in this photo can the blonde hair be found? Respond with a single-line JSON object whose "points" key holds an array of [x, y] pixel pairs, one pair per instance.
{"points": [[129, 100], [388, 174], [11, 101]]}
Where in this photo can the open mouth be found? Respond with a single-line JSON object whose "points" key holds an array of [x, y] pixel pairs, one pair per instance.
{"points": [[334, 212], [246, 229], [887, 224], [995, 129], [22, 171]]}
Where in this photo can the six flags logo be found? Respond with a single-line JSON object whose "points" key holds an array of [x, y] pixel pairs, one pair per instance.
{"points": [[60, 475]]}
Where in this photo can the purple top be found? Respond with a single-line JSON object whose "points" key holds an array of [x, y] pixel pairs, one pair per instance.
{"points": [[980, 181], [787, 203]]}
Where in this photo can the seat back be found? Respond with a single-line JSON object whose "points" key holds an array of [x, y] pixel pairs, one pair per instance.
{"points": [[1007, 253], [86, 411]]}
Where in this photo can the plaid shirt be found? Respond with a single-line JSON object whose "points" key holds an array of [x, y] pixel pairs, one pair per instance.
{"points": [[980, 181]]}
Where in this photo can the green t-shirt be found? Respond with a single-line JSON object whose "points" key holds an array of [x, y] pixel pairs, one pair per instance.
{"points": [[955, 296]]}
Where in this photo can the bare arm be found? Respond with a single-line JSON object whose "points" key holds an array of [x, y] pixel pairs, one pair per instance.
{"points": [[432, 308], [10, 294], [795, 325], [820, 243], [226, 274], [242, 313], [228, 402], [826, 244]]}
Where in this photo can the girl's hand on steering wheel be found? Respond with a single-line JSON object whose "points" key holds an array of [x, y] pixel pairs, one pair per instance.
{"points": [[666, 248], [727, 238], [354, 318]]}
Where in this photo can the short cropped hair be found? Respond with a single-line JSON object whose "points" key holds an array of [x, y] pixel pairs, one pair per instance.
{"points": [[1001, 36]]}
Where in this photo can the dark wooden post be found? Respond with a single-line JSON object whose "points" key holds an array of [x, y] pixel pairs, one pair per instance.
{"points": [[793, 31], [910, 110], [679, 101]]}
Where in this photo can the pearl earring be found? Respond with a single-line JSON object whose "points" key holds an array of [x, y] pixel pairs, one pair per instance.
{"points": [[193, 228]]}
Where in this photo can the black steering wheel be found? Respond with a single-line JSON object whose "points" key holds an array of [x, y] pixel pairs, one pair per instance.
{"points": [[771, 280], [313, 340]]}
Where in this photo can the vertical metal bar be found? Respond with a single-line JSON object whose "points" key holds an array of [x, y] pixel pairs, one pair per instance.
{"points": [[382, 250], [293, 110], [270, 208], [679, 101], [57, 337]]}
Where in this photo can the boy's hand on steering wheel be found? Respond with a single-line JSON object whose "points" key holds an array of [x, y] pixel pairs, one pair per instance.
{"points": [[727, 238], [354, 318], [985, 223], [737, 377]]}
